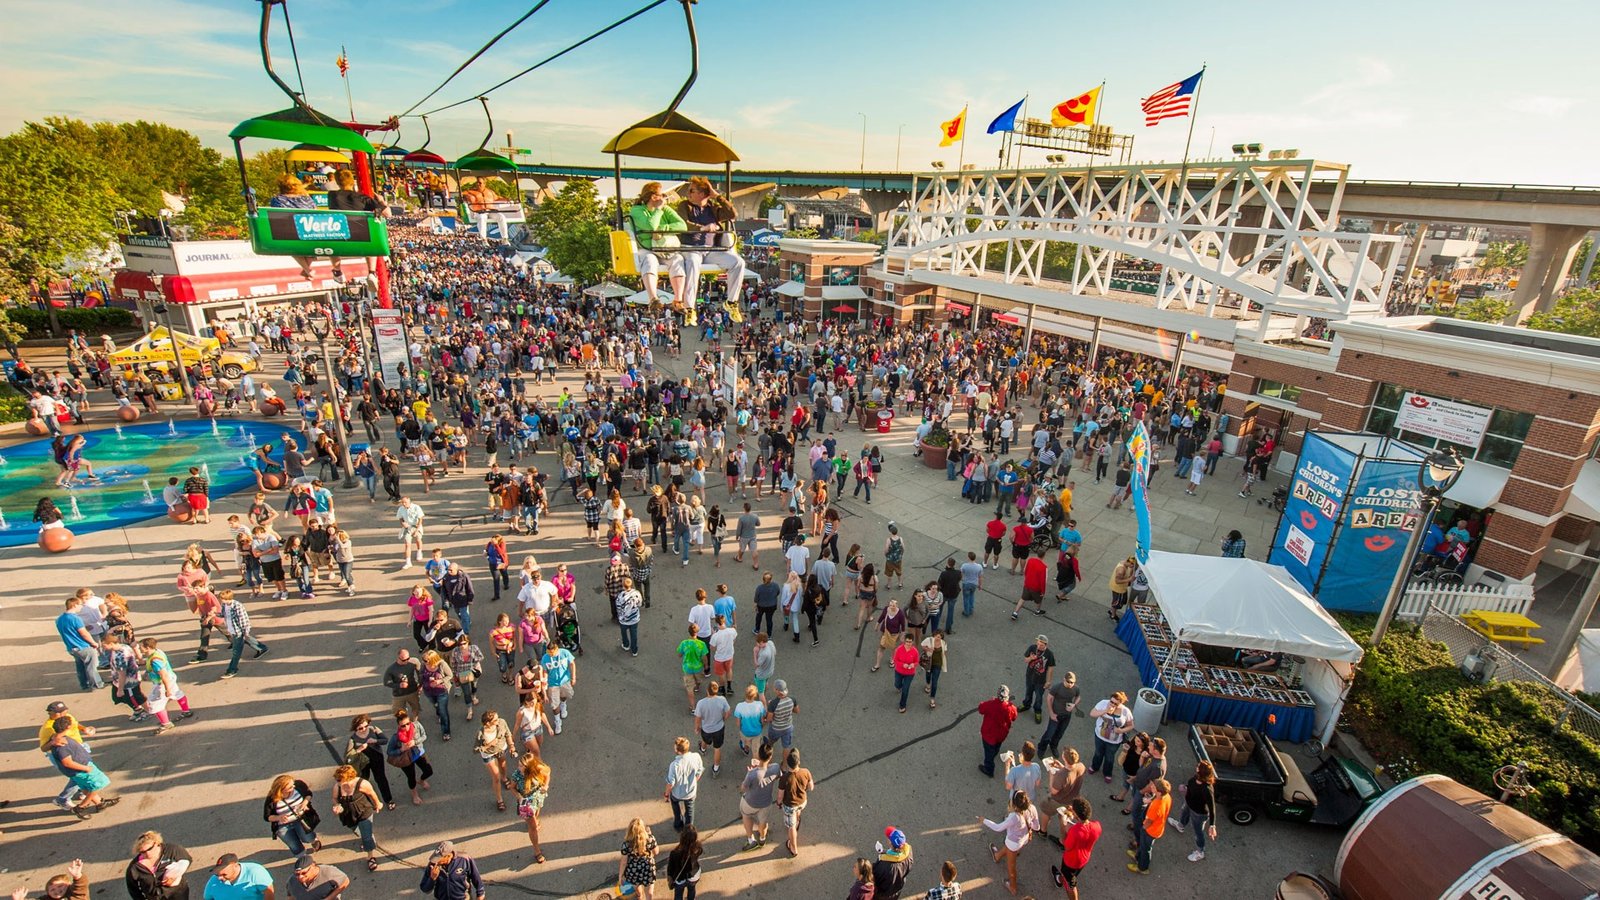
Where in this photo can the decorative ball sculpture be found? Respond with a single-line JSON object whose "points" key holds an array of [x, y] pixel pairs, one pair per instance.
{"points": [[128, 413], [55, 540], [180, 511]]}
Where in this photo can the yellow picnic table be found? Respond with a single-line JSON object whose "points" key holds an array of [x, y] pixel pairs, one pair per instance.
{"points": [[1511, 628]]}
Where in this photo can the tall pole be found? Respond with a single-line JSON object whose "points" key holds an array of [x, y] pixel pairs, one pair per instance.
{"points": [[1580, 617], [900, 133], [961, 160], [1194, 113], [863, 140], [177, 353], [345, 74], [338, 407], [1402, 576]]}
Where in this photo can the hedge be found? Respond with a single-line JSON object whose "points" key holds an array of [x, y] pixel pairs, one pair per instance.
{"points": [[13, 406], [1417, 713], [90, 321]]}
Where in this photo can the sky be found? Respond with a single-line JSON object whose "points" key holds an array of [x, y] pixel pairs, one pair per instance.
{"points": [[1474, 92]]}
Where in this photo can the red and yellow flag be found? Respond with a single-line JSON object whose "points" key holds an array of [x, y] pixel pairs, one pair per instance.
{"points": [[954, 130], [1076, 111], [344, 64]]}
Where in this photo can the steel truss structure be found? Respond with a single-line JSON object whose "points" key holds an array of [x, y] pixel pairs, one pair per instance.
{"points": [[1238, 239]]}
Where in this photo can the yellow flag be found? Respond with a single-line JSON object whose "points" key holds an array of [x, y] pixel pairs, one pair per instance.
{"points": [[1076, 111], [954, 130]]}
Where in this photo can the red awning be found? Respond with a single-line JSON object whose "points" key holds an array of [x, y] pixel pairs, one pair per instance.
{"points": [[845, 308], [1006, 318], [957, 307], [224, 286]]}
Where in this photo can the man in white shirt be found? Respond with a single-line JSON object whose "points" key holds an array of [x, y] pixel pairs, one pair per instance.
{"points": [[799, 555], [683, 781]]}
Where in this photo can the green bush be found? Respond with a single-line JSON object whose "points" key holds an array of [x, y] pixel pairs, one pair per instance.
{"points": [[13, 406], [90, 321], [1417, 713]]}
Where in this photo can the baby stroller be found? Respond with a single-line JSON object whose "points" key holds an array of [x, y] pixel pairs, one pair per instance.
{"points": [[568, 633], [1279, 498]]}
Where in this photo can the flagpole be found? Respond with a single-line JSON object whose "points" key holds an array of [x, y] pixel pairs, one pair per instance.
{"points": [[1015, 144], [962, 158], [346, 75], [1194, 113]]}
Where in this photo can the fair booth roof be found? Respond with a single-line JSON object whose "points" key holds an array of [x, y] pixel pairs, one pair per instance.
{"points": [[1244, 603], [790, 289], [607, 290]]}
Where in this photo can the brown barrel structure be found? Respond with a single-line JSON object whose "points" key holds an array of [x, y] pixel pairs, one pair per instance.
{"points": [[1431, 838]]}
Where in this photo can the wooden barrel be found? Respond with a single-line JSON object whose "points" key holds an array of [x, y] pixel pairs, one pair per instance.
{"points": [[1433, 838]]}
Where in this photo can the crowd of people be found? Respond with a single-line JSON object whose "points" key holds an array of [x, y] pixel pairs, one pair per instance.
{"points": [[658, 462]]}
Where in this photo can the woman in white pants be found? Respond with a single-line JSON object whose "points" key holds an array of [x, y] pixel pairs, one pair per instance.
{"points": [[655, 225], [710, 218]]}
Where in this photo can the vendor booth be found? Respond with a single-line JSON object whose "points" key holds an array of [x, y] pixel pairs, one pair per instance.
{"points": [[1219, 602]]}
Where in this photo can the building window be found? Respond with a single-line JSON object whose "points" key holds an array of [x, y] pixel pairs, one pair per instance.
{"points": [[1286, 392], [1502, 440]]}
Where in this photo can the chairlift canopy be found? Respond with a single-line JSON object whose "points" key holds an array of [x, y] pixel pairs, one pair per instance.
{"points": [[299, 126], [672, 136]]}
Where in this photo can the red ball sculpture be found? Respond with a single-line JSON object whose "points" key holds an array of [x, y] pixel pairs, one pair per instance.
{"points": [[180, 511], [55, 540], [128, 413], [272, 480], [37, 427]]}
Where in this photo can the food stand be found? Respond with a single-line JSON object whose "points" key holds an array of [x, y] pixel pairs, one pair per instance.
{"points": [[1222, 602]]}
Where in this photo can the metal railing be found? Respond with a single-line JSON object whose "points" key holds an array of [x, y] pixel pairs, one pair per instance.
{"points": [[1494, 664]]}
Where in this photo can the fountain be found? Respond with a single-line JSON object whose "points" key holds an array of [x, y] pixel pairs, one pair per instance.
{"points": [[77, 515], [149, 495], [250, 441], [4, 525], [118, 427], [172, 427], [215, 431], [205, 471], [2, 460]]}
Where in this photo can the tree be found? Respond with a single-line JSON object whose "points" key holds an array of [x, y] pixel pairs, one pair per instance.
{"points": [[1576, 312], [1480, 309], [58, 201], [1505, 255], [571, 226]]}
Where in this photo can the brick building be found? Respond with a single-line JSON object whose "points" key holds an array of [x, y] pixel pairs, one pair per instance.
{"points": [[1536, 395]]}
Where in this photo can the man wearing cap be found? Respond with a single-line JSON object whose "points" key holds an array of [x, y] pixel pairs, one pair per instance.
{"points": [[312, 881], [451, 875], [998, 713], [47, 736], [1039, 668], [893, 867], [234, 880]]}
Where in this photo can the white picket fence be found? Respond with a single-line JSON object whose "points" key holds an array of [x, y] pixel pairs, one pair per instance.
{"points": [[1458, 599]]}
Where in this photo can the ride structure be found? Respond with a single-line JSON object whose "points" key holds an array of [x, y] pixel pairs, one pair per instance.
{"points": [[484, 164], [310, 233], [668, 134]]}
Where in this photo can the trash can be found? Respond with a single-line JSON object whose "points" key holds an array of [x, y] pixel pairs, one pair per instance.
{"points": [[885, 419], [1148, 707]]}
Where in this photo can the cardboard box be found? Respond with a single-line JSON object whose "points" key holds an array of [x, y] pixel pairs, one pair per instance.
{"points": [[1241, 756]]}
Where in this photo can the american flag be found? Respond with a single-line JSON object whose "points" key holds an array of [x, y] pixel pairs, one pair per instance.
{"points": [[1172, 101]]}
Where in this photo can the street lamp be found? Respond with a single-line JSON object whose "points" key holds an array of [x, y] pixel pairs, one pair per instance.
{"points": [[321, 325], [863, 140], [1437, 474]]}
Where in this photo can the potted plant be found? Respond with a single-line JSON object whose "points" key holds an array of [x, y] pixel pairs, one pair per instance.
{"points": [[867, 415], [935, 446]]}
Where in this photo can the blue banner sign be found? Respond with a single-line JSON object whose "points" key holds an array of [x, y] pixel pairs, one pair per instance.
{"points": [[1316, 500], [1380, 514]]}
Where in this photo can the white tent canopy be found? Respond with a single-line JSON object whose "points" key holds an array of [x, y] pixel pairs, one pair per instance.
{"points": [[608, 289], [1582, 671], [1244, 603]]}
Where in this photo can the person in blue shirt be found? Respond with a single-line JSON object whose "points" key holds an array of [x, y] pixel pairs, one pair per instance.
{"points": [[452, 876], [725, 606], [80, 644], [235, 880]]}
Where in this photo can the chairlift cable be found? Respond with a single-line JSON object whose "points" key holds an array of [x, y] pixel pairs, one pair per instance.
{"points": [[294, 53], [555, 56], [474, 57]]}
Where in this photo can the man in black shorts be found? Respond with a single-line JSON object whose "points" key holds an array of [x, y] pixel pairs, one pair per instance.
{"points": [[1077, 822], [711, 717]]}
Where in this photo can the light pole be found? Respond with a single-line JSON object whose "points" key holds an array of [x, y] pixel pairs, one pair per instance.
{"points": [[863, 140], [161, 308], [899, 134], [321, 325], [1436, 475]]}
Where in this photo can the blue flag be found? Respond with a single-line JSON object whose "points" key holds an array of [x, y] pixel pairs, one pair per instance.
{"points": [[1007, 121]]}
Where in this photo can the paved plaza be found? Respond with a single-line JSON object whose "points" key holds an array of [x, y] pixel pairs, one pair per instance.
{"points": [[202, 785]]}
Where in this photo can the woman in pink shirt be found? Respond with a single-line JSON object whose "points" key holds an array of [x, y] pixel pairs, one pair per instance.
{"points": [[421, 603], [565, 584], [906, 659]]}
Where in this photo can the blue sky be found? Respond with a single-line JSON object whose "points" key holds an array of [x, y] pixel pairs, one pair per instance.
{"points": [[1403, 91]]}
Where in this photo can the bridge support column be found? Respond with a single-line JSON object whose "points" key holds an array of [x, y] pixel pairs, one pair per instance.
{"points": [[1177, 359], [1588, 263], [1094, 345], [882, 204], [1027, 337], [1417, 237], [1550, 252]]}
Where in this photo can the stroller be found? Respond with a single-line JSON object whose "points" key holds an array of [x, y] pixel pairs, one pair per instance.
{"points": [[1279, 499], [568, 633]]}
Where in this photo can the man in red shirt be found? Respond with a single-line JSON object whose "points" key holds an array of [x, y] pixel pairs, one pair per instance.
{"points": [[1021, 537], [1033, 582], [995, 533], [1082, 831], [997, 713]]}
